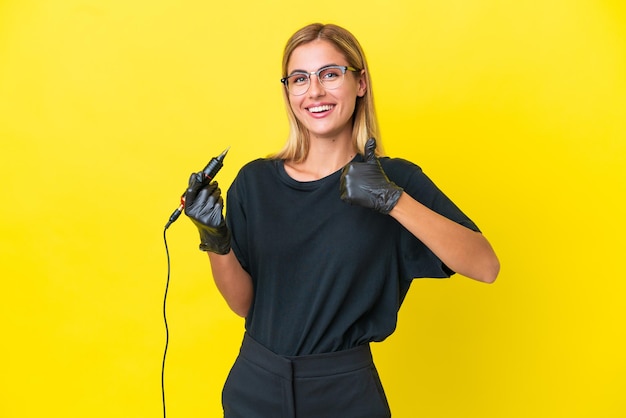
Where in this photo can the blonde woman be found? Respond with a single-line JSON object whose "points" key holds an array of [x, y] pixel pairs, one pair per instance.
{"points": [[322, 240]]}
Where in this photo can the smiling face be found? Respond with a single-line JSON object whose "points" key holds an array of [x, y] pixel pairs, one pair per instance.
{"points": [[325, 113]]}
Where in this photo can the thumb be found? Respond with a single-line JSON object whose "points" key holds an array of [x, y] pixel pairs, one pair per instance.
{"points": [[370, 150]]}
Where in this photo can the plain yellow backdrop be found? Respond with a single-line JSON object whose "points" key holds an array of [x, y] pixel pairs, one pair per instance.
{"points": [[515, 109]]}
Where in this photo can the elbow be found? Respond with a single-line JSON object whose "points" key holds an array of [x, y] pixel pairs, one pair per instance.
{"points": [[241, 309], [242, 313], [484, 268], [490, 271], [489, 265]]}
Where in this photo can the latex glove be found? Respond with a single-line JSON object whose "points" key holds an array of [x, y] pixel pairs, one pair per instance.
{"points": [[203, 205], [366, 184]]}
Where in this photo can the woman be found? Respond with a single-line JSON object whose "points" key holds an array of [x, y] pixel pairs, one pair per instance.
{"points": [[322, 240]]}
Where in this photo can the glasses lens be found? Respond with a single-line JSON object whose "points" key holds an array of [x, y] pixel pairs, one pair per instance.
{"points": [[331, 77], [298, 83]]}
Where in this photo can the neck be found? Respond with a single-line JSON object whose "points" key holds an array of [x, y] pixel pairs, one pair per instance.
{"points": [[325, 157]]}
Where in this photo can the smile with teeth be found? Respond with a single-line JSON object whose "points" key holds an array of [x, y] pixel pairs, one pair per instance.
{"points": [[318, 109]]}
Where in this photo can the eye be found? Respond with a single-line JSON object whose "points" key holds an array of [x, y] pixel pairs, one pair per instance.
{"points": [[298, 79], [330, 74]]}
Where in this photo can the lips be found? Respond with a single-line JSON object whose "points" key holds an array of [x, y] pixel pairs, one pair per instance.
{"points": [[320, 109]]}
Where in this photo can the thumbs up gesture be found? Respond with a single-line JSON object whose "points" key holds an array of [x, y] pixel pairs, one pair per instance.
{"points": [[366, 184]]}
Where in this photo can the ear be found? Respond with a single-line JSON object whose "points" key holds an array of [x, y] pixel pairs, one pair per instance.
{"points": [[362, 84]]}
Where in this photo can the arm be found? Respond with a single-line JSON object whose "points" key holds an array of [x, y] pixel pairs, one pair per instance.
{"points": [[203, 206], [464, 251], [233, 282]]}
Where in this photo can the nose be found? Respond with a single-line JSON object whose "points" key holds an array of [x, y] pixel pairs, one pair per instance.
{"points": [[315, 88]]}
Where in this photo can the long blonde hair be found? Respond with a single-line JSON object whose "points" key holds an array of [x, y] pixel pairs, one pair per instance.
{"points": [[364, 121]]}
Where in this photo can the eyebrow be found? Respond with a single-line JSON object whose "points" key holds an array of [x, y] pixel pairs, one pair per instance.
{"points": [[323, 66]]}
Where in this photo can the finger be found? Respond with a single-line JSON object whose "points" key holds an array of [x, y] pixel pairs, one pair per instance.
{"points": [[214, 188], [370, 150], [214, 216], [207, 196], [212, 193], [194, 186]]}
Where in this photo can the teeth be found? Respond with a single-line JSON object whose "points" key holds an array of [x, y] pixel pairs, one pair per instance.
{"points": [[318, 109]]}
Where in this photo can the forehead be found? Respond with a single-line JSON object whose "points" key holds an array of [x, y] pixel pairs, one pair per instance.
{"points": [[315, 54]]}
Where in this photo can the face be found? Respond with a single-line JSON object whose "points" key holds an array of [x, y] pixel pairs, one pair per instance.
{"points": [[325, 113]]}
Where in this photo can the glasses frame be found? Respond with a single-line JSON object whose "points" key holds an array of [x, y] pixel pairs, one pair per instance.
{"points": [[343, 68]]}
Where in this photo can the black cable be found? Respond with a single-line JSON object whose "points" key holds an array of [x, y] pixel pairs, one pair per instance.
{"points": [[167, 331], [209, 172]]}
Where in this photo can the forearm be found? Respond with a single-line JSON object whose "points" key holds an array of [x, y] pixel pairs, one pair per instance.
{"points": [[464, 251], [233, 282]]}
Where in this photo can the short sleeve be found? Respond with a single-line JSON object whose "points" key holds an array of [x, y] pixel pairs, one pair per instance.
{"points": [[418, 261], [236, 219]]}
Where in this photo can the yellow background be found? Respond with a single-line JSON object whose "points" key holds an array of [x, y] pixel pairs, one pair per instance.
{"points": [[516, 110]]}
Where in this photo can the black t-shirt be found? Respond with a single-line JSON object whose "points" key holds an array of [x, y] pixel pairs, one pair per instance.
{"points": [[327, 276]]}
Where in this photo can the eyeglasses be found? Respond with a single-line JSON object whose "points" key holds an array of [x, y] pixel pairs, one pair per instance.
{"points": [[331, 77]]}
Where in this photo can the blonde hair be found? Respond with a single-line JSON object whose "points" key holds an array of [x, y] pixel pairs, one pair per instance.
{"points": [[364, 121]]}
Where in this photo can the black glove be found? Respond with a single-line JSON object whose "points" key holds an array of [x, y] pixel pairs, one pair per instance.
{"points": [[366, 184], [203, 205]]}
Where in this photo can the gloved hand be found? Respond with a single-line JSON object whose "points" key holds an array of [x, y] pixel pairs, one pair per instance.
{"points": [[203, 205], [366, 184]]}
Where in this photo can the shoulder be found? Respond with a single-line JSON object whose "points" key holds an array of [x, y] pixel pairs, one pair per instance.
{"points": [[255, 173], [398, 163], [399, 170], [258, 167], [258, 164], [412, 179]]}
